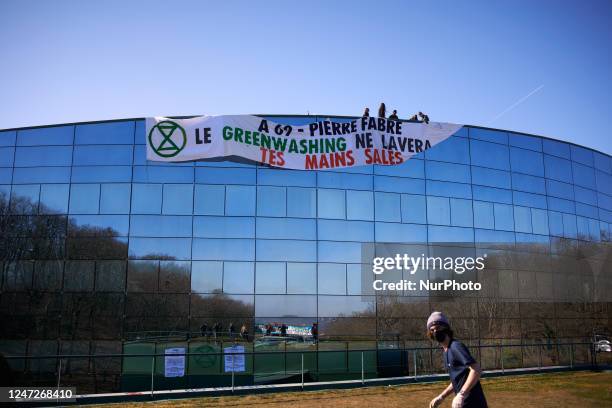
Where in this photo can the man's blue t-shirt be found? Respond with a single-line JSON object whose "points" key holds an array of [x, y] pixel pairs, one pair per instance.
{"points": [[457, 359]]}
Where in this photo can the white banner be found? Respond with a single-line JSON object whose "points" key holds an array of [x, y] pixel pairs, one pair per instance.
{"points": [[324, 144], [174, 366], [234, 359]]}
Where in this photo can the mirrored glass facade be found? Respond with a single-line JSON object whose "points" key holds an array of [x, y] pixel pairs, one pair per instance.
{"points": [[101, 247]]}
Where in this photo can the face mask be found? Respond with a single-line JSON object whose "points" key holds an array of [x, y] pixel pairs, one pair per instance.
{"points": [[440, 335]]}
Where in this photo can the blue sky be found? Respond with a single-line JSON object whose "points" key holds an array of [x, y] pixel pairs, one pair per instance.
{"points": [[466, 62]]}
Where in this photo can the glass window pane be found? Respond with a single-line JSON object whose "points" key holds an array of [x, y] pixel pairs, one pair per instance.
{"points": [[105, 133], [177, 199], [569, 226], [98, 225], [447, 172], [270, 278], [490, 155], [281, 177], [224, 227], [7, 138], [583, 175], [102, 155], [497, 195], [450, 234], [79, 276], [43, 156], [160, 226], [582, 155], [461, 212], [453, 149], [301, 202], [301, 278], [53, 135], [286, 228], [163, 174], [206, 276], [142, 276], [6, 156], [530, 184], [238, 277], [115, 198], [271, 201], [48, 276], [155, 248], [529, 200], [345, 252], [526, 161], [282, 250], [522, 219], [39, 175], [556, 148], [414, 209], [331, 179], [102, 174], [209, 200], [489, 135], [84, 198], [240, 200], [211, 175], [332, 279], [438, 210], [558, 204], [601, 161], [504, 219], [405, 233], [483, 215], [399, 184], [387, 207], [224, 249], [558, 169], [447, 189], [24, 199], [525, 142], [555, 223], [110, 276], [414, 168], [146, 198], [558, 189], [359, 205], [539, 220], [339, 230], [490, 177], [291, 305], [54, 198], [174, 276], [331, 203]]}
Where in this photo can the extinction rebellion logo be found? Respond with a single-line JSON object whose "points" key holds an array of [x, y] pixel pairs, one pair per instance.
{"points": [[167, 138]]}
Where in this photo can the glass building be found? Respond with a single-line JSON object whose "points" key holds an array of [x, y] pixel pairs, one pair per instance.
{"points": [[106, 253]]}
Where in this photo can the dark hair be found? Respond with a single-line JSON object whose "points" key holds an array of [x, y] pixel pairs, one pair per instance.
{"points": [[382, 110], [447, 329]]}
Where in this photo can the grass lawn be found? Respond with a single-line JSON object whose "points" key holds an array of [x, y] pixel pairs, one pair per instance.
{"points": [[570, 389]]}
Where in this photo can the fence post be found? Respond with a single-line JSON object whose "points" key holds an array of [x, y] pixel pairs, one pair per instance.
{"points": [[302, 371], [59, 376], [362, 370], [153, 373], [59, 373], [540, 357], [415, 363], [572, 355], [501, 355]]}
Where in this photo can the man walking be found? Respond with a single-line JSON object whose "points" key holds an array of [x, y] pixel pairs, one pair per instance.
{"points": [[464, 371]]}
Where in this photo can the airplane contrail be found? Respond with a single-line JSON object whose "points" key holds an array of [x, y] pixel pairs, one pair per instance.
{"points": [[515, 104]]}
